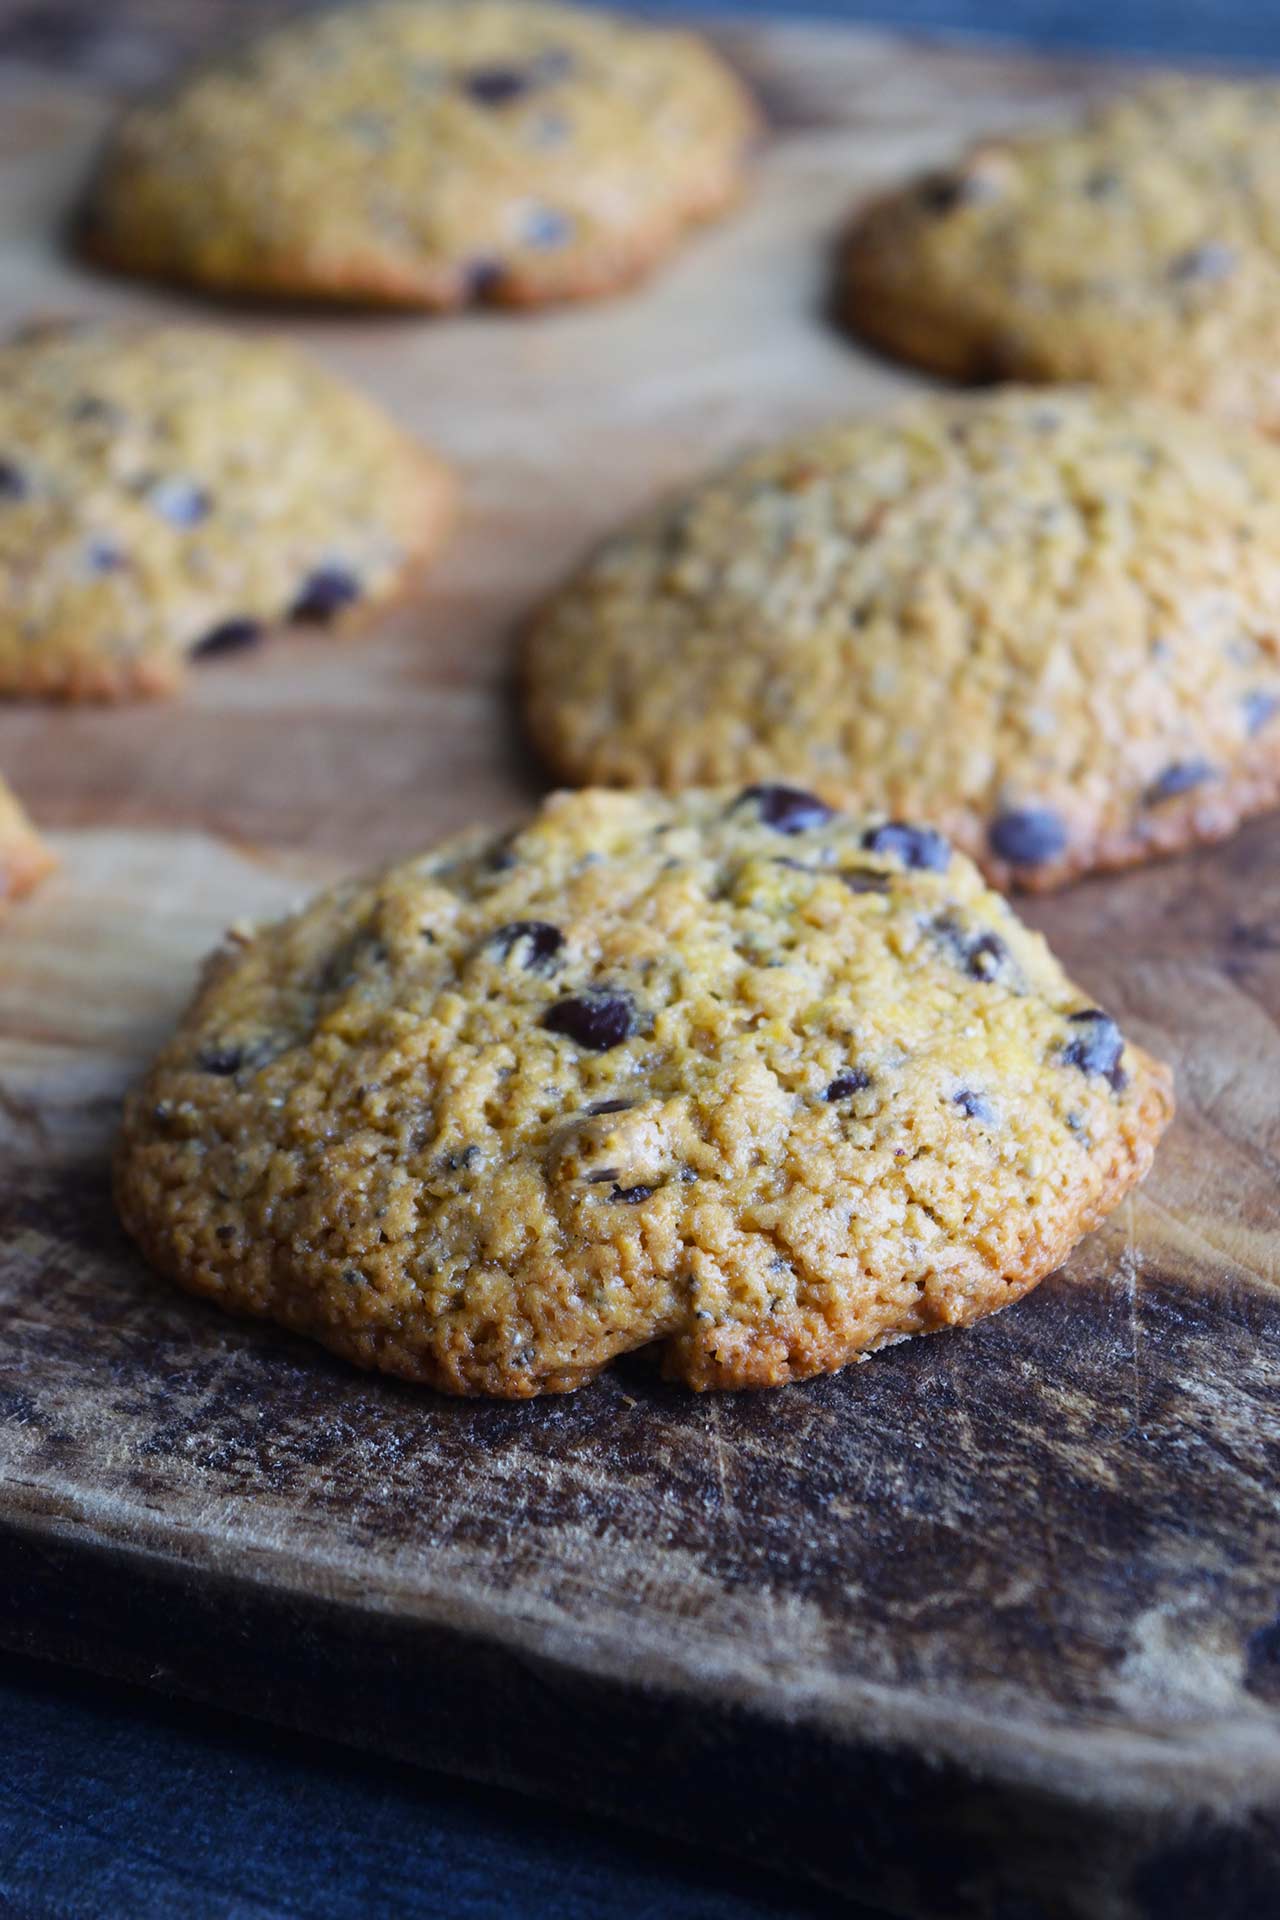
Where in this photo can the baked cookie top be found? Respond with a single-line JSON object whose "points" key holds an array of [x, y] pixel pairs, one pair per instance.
{"points": [[168, 493], [437, 153], [766, 1084], [1047, 622], [24, 857], [1139, 249]]}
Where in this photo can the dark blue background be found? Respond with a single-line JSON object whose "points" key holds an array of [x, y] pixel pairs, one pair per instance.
{"points": [[114, 1804]]}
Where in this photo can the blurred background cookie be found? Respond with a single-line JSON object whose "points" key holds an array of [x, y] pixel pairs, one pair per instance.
{"points": [[431, 155], [1047, 622], [168, 494], [1139, 249]]}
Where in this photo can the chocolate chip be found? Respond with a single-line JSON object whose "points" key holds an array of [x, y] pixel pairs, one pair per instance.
{"points": [[982, 955], [546, 227], [921, 847], [496, 86], [1028, 837], [104, 556], [231, 636], [1098, 1047], [180, 502], [539, 943], [974, 1106], [631, 1196], [602, 1174], [610, 1106], [1178, 778], [1212, 261], [325, 593], [353, 1276], [1259, 707], [483, 277], [597, 1018], [13, 482], [845, 1085], [859, 881], [787, 809], [220, 1060]]}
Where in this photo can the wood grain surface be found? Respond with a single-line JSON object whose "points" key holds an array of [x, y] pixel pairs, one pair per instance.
{"points": [[985, 1627]]}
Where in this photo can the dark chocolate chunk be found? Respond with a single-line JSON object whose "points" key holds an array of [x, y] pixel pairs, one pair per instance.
{"points": [[610, 1106], [787, 809], [538, 941], [1097, 1047], [1178, 778], [221, 1059], [1028, 837], [1212, 261], [921, 847], [181, 502], [974, 1106], [602, 1174], [597, 1018], [232, 636], [982, 955], [846, 1084], [13, 482], [631, 1196], [497, 86], [325, 593], [1259, 707]]}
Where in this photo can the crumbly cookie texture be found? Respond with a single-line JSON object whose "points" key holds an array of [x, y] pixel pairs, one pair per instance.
{"points": [[768, 1085], [171, 493], [24, 857], [1139, 249], [1048, 622], [437, 154]]}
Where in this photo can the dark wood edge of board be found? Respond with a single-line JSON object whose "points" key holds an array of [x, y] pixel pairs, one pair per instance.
{"points": [[880, 1822]]}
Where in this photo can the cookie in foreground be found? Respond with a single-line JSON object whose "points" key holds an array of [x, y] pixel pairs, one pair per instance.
{"points": [[24, 857], [1137, 249], [1046, 622], [762, 1084], [170, 493], [437, 155]]}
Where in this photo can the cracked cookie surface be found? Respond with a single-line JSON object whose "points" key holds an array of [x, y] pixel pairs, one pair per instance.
{"points": [[1049, 622], [171, 493], [437, 154], [767, 1084], [1139, 249]]}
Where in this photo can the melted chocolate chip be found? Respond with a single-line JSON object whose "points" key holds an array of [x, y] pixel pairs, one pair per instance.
{"points": [[1028, 837], [221, 1060], [597, 1018], [497, 86], [1212, 261], [787, 809], [180, 502], [921, 847], [845, 1085], [1259, 707], [982, 955], [325, 593], [537, 940], [232, 636], [13, 482], [974, 1106], [1098, 1047], [1178, 778], [610, 1106], [631, 1196]]}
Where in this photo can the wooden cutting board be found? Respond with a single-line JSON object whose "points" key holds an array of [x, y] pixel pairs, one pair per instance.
{"points": [[986, 1627]]}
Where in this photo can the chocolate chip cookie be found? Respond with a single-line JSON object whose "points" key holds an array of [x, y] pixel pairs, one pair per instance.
{"points": [[1139, 249], [169, 494], [1048, 622], [24, 857], [436, 155], [766, 1085]]}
